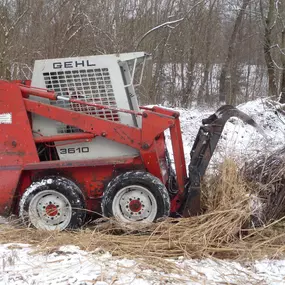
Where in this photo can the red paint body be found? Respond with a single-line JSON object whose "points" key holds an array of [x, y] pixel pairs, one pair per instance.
{"points": [[20, 164]]}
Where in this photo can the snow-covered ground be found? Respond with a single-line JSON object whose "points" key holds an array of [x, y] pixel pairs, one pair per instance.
{"points": [[20, 264], [70, 265]]}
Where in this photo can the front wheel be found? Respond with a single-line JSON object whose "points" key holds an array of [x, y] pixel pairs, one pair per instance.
{"points": [[54, 203], [136, 196]]}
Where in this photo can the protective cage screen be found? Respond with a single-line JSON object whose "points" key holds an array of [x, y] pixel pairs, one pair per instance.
{"points": [[89, 85]]}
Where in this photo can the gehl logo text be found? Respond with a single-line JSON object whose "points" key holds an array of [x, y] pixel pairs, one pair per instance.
{"points": [[72, 64]]}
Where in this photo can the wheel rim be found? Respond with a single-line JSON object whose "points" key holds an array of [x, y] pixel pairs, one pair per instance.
{"points": [[50, 210], [134, 203]]}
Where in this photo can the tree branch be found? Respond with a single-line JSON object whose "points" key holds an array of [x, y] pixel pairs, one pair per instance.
{"points": [[156, 28], [167, 24]]}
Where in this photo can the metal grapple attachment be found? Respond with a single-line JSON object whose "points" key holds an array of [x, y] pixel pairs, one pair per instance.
{"points": [[203, 149]]}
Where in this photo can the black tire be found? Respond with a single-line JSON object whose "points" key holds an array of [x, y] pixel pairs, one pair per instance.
{"points": [[42, 204], [131, 183]]}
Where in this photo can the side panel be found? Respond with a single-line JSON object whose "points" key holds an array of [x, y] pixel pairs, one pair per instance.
{"points": [[9, 180], [17, 146]]}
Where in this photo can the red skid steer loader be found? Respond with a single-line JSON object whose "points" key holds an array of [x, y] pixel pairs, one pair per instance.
{"points": [[77, 142]]}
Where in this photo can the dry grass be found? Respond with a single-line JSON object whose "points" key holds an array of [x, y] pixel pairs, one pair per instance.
{"points": [[221, 231]]}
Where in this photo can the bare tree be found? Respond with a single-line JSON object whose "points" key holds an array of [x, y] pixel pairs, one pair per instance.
{"points": [[269, 24], [230, 53], [195, 44], [9, 23], [282, 50]]}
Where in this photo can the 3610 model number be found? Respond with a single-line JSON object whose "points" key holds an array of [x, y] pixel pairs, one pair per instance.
{"points": [[72, 150]]}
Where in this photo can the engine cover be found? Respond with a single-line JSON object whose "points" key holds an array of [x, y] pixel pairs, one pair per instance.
{"points": [[102, 79]]}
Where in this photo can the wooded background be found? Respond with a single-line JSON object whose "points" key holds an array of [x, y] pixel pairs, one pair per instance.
{"points": [[204, 52]]}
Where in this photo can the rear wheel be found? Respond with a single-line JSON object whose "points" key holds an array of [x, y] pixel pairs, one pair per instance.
{"points": [[54, 203], [136, 196]]}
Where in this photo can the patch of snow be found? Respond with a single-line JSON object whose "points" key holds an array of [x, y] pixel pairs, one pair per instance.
{"points": [[70, 265], [3, 220]]}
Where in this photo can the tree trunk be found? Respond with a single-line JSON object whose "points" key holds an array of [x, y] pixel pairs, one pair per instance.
{"points": [[282, 85], [2, 69], [282, 89], [187, 92], [201, 97], [272, 83], [230, 54], [247, 83], [204, 84]]}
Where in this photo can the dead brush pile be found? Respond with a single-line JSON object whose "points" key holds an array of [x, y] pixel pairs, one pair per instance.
{"points": [[221, 231], [267, 176]]}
